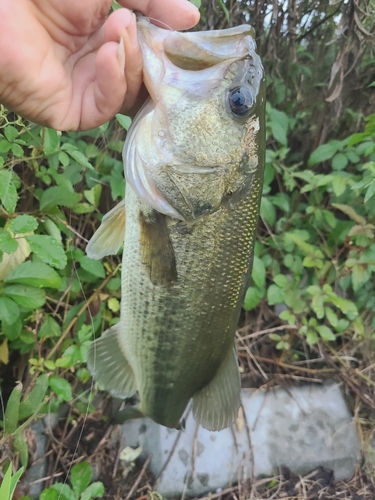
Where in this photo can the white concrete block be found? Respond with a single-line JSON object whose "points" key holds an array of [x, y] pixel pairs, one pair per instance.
{"points": [[302, 428]]}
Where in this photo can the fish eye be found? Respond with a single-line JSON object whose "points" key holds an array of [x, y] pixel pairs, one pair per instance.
{"points": [[240, 100]]}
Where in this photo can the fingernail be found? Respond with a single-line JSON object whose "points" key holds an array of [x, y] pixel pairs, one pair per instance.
{"points": [[121, 55]]}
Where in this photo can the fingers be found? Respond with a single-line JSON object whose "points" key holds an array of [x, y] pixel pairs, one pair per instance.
{"points": [[178, 14], [118, 72], [104, 96], [114, 30]]}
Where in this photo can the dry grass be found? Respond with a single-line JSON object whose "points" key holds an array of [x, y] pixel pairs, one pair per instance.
{"points": [[352, 364]]}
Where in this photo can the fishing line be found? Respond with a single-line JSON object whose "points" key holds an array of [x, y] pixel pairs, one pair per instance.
{"points": [[91, 390], [2, 408], [160, 22]]}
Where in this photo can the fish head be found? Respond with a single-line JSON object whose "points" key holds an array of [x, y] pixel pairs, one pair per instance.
{"points": [[201, 134]]}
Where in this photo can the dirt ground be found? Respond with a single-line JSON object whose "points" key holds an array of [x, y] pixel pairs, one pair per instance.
{"points": [[90, 437]]}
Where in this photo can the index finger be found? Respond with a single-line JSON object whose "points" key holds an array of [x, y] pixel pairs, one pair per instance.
{"points": [[177, 14]]}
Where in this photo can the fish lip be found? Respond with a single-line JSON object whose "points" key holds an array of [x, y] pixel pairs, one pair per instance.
{"points": [[213, 50]]}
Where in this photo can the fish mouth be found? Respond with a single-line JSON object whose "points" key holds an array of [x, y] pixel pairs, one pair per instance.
{"points": [[194, 60]]}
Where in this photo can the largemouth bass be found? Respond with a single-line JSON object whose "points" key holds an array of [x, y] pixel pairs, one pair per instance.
{"points": [[194, 160]]}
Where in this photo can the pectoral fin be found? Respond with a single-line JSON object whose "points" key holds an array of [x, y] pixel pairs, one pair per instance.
{"points": [[157, 252], [109, 366], [109, 237], [216, 405]]}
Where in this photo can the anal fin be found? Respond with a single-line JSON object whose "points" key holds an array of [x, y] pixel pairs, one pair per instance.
{"points": [[108, 365], [109, 237], [216, 405]]}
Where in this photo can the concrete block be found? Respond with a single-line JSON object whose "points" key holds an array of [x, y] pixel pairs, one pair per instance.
{"points": [[302, 428]]}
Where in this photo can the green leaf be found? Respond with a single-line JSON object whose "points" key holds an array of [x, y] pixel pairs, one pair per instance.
{"points": [[311, 337], [350, 212], [58, 195], [252, 298], [305, 247], [339, 184], [63, 491], [48, 250], [64, 158], [267, 211], [197, 3], [8, 192], [93, 195], [279, 123], [9, 310], [339, 161], [80, 477], [61, 387], [33, 400], [9, 483], [92, 266], [5, 146], [325, 332], [27, 337], [80, 158], [275, 295], [11, 415], [258, 272], [360, 275], [35, 274], [124, 121], [10, 132], [114, 284], [17, 150], [322, 153], [49, 328], [52, 229], [51, 141], [311, 261], [52, 494], [21, 446], [113, 304], [23, 224], [95, 490], [7, 243], [370, 191], [12, 331], [281, 280], [83, 208], [26, 296], [331, 316]]}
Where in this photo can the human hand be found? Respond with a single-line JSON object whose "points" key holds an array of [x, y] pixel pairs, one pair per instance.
{"points": [[65, 65]]}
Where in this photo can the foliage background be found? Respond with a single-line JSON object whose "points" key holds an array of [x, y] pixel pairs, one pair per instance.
{"points": [[309, 312]]}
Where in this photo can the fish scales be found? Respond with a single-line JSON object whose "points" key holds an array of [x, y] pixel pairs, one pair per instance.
{"points": [[193, 162], [179, 318]]}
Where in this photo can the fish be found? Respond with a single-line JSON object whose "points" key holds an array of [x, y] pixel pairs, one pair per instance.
{"points": [[194, 160]]}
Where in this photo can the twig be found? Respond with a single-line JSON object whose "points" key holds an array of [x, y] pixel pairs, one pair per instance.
{"points": [[291, 367], [263, 332], [137, 481], [347, 380], [195, 451], [252, 357], [81, 311]]}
